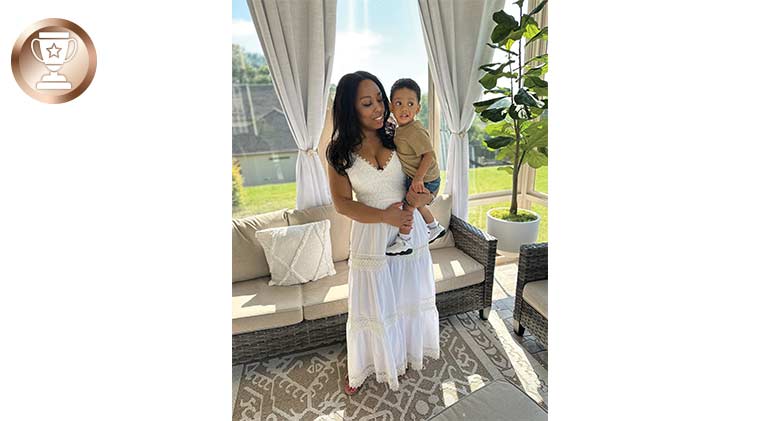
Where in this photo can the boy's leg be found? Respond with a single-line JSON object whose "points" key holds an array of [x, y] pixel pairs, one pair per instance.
{"points": [[426, 214]]}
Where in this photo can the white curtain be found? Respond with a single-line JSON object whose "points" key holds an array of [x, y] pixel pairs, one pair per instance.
{"points": [[298, 39], [456, 33]]}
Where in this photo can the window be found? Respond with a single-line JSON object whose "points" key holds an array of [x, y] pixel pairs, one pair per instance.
{"points": [[264, 152], [384, 39], [490, 187]]}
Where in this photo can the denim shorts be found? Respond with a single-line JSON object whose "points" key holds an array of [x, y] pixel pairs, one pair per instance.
{"points": [[432, 186]]}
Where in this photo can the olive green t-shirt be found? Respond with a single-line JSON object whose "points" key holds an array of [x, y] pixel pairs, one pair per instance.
{"points": [[411, 141]]}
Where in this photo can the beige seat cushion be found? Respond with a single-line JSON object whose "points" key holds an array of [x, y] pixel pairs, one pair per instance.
{"points": [[535, 294], [249, 260], [441, 208], [340, 227], [453, 269], [258, 306], [327, 296]]}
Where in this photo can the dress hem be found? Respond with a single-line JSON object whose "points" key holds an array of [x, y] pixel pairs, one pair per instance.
{"points": [[384, 377]]}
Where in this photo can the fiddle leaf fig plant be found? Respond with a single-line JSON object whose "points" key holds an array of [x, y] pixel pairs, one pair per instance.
{"points": [[517, 115]]}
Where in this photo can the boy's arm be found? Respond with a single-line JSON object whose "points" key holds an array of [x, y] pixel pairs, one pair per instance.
{"points": [[425, 163]]}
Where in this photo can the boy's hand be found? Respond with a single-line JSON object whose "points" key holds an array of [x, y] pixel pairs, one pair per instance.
{"points": [[417, 185]]}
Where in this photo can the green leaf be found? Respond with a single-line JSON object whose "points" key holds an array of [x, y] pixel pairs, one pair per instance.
{"points": [[498, 142], [483, 105], [527, 23], [487, 67], [538, 8], [536, 71], [537, 85], [535, 81], [506, 24], [504, 91], [514, 112], [541, 35], [535, 111], [506, 154], [500, 128], [535, 135], [509, 43], [501, 47], [535, 159], [500, 70], [502, 18], [500, 33], [520, 3], [493, 114], [505, 169], [540, 91], [524, 98], [488, 81], [529, 27], [539, 58]]}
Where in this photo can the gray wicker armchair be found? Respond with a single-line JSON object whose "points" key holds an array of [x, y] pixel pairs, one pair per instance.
{"points": [[532, 274], [480, 246]]}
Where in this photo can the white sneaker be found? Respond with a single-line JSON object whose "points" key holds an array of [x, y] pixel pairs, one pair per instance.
{"points": [[399, 247], [436, 233]]}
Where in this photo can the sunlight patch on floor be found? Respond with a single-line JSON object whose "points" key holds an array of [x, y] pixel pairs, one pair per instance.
{"points": [[520, 359]]}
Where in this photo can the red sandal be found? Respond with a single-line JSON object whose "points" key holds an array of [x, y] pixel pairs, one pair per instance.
{"points": [[347, 388]]}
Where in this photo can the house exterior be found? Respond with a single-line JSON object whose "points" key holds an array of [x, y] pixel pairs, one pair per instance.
{"points": [[262, 141]]}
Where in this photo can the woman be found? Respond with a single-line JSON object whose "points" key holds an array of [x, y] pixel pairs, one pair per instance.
{"points": [[392, 321]]}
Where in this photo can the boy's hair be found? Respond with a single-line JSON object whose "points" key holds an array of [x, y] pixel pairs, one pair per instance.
{"points": [[405, 83]]}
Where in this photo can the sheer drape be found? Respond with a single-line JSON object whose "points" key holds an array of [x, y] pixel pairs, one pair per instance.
{"points": [[456, 33], [298, 39]]}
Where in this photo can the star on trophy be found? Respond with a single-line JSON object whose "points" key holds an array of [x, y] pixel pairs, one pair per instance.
{"points": [[54, 49]]}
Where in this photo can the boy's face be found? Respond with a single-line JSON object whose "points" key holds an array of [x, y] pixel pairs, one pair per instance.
{"points": [[404, 106]]}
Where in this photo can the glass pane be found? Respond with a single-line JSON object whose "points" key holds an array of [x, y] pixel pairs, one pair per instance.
{"points": [[540, 184], [384, 39], [264, 153]]}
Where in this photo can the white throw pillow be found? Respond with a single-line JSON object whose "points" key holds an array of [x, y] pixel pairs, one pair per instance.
{"points": [[298, 254]]}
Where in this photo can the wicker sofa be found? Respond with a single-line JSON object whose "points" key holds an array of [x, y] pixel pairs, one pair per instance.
{"points": [[531, 293], [274, 320]]}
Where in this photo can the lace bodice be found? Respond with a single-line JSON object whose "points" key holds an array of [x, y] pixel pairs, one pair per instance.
{"points": [[374, 187]]}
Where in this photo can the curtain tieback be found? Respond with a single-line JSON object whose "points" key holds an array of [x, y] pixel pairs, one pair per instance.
{"points": [[310, 152], [460, 133]]}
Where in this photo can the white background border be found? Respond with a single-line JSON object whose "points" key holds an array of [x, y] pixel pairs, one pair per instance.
{"points": [[664, 219]]}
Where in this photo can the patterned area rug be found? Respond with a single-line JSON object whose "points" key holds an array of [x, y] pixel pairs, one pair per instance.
{"points": [[309, 385]]}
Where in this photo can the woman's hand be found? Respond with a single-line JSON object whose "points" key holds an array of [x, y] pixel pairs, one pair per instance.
{"points": [[418, 200], [396, 216]]}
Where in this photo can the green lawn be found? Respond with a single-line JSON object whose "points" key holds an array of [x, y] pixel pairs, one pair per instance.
{"points": [[260, 199]]}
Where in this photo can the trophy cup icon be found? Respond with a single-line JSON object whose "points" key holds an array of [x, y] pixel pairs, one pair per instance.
{"points": [[55, 52]]}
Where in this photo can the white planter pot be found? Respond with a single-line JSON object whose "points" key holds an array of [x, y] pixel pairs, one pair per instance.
{"points": [[511, 235]]}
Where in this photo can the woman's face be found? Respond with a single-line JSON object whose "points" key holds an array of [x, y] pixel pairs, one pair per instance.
{"points": [[369, 106]]}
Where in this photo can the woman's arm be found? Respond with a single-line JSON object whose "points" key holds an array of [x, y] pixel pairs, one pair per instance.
{"points": [[341, 192]]}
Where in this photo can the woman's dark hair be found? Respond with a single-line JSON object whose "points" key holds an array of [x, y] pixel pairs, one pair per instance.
{"points": [[405, 83], [347, 133]]}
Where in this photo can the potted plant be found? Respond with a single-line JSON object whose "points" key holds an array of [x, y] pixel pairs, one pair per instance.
{"points": [[516, 117]]}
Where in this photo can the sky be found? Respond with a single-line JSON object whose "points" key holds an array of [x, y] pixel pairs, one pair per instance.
{"points": [[384, 39]]}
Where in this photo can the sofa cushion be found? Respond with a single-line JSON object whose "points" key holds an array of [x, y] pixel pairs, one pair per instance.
{"points": [[535, 294], [299, 253], [340, 226], [327, 296], [441, 208], [249, 260], [258, 306], [453, 269]]}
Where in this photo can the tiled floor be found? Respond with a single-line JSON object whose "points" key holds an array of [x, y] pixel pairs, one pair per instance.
{"points": [[504, 304]]}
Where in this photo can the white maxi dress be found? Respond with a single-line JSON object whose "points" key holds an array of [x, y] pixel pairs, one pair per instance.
{"points": [[393, 320]]}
